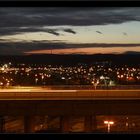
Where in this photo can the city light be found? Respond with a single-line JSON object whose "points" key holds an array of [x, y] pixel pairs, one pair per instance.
{"points": [[97, 74], [109, 123]]}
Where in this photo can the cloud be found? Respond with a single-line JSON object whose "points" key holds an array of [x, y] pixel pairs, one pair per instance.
{"points": [[66, 16], [20, 30], [99, 32], [4, 31], [51, 31], [70, 31], [13, 48], [20, 19], [95, 50], [125, 34]]}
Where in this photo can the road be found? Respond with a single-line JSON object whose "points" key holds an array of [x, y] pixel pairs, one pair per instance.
{"points": [[39, 93]]}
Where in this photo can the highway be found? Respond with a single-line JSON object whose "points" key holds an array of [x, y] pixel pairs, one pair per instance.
{"points": [[38, 93]]}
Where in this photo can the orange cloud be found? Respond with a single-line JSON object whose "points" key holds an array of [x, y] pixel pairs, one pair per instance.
{"points": [[85, 50]]}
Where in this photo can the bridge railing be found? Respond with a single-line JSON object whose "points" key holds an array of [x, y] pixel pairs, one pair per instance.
{"points": [[78, 87], [88, 87]]}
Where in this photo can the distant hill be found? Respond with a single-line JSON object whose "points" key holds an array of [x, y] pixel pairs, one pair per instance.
{"points": [[127, 58], [132, 52]]}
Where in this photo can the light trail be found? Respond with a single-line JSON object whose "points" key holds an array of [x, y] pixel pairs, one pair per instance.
{"points": [[34, 90]]}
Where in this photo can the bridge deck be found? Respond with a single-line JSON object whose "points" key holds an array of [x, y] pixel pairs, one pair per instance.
{"points": [[44, 94]]}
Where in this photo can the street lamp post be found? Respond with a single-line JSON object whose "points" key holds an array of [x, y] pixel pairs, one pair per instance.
{"points": [[109, 123], [36, 79], [95, 83]]}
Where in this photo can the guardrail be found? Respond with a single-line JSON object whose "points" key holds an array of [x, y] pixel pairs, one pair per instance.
{"points": [[88, 87], [76, 87]]}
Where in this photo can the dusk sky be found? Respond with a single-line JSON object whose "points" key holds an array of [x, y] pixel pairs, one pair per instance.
{"points": [[69, 30]]}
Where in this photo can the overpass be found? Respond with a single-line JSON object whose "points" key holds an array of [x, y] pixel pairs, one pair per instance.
{"points": [[29, 102]]}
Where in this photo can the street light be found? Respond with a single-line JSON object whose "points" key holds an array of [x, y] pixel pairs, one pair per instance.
{"points": [[36, 79], [109, 123], [95, 83]]}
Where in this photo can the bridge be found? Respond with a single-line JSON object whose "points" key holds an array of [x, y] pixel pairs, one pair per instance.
{"points": [[31, 101]]}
